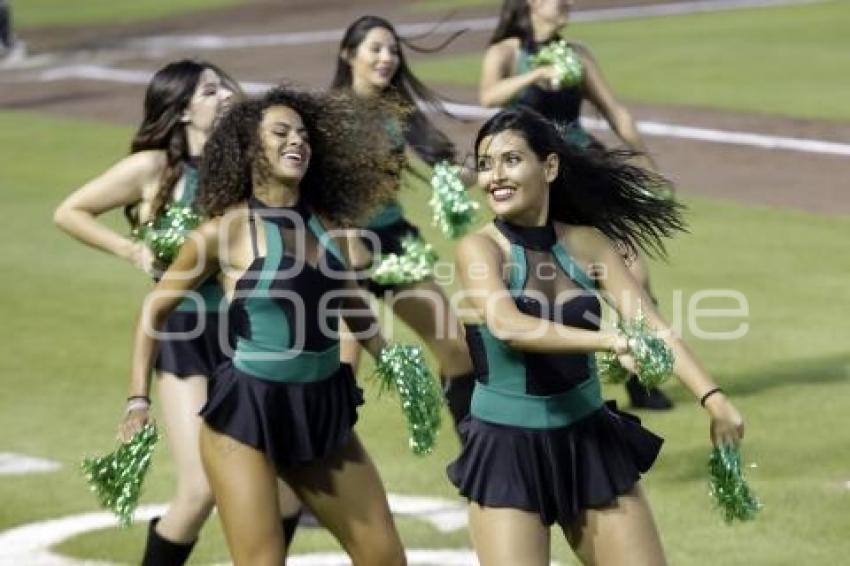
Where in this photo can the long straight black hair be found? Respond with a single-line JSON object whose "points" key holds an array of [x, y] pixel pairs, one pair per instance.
{"points": [[421, 135], [514, 21], [167, 96], [596, 187]]}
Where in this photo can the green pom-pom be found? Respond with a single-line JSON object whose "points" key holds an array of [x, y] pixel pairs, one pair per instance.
{"points": [[454, 210], [610, 369], [415, 264], [654, 359], [727, 485], [402, 368], [565, 60], [166, 234], [116, 479]]}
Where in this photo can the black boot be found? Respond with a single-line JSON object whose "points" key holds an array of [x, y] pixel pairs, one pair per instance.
{"points": [[162, 552], [647, 398], [290, 525], [458, 392]]}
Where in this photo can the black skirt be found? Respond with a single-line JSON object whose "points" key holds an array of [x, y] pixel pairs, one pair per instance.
{"points": [[555, 473], [292, 423], [199, 355], [390, 237]]}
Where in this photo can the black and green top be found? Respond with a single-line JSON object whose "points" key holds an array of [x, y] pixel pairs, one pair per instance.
{"points": [[285, 309], [562, 106], [535, 390], [209, 295]]}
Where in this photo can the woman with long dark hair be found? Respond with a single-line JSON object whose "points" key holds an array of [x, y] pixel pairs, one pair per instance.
{"points": [[372, 65], [508, 80], [541, 447], [183, 101], [277, 173]]}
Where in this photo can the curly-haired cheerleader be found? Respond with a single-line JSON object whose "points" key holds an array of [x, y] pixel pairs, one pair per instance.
{"points": [[371, 64], [508, 79], [275, 173], [540, 446], [182, 102]]}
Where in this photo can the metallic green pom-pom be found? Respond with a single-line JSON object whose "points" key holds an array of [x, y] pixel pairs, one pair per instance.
{"points": [[654, 359], [454, 210], [116, 479], [610, 369], [415, 264], [564, 58], [727, 485], [165, 234], [402, 368]]}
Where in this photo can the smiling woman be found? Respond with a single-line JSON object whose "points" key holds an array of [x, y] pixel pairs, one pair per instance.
{"points": [[183, 102], [276, 172], [541, 446]]}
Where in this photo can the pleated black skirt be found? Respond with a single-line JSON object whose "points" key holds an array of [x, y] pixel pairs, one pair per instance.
{"points": [[556, 473], [292, 423], [198, 355]]}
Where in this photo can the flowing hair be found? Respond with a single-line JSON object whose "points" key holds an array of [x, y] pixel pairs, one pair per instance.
{"points": [[166, 99], [419, 132], [514, 21], [353, 169], [596, 187]]}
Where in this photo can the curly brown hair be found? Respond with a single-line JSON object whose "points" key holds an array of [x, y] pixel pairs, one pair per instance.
{"points": [[354, 166]]}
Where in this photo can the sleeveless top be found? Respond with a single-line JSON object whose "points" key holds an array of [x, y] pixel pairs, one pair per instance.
{"points": [[528, 389], [284, 312], [207, 297], [563, 106]]}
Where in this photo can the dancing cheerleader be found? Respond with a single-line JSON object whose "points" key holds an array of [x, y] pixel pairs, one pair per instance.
{"points": [[276, 172], [371, 63], [182, 103], [509, 78], [540, 446]]}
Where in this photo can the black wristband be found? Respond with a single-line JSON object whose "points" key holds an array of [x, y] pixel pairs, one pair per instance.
{"points": [[709, 394], [145, 397]]}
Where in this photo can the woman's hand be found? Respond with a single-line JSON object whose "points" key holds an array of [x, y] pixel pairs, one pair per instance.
{"points": [[135, 418], [141, 256], [727, 424], [547, 77]]}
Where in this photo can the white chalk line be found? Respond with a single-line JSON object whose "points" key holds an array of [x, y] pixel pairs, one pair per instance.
{"points": [[163, 44], [650, 128], [157, 46]]}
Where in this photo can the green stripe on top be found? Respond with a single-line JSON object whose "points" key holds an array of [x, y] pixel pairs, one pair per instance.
{"points": [[270, 328], [190, 187], [209, 298], [294, 366], [499, 406], [518, 273], [571, 268], [389, 214], [315, 226]]}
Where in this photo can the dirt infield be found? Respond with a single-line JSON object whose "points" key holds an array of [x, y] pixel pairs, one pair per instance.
{"points": [[760, 176]]}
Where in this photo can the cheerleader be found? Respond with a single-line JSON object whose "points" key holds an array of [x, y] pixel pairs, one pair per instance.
{"points": [[541, 447], [182, 103], [508, 79], [372, 65], [276, 173]]}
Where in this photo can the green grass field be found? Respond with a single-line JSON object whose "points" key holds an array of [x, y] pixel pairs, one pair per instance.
{"points": [[426, 6], [38, 13], [783, 61], [70, 311]]}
